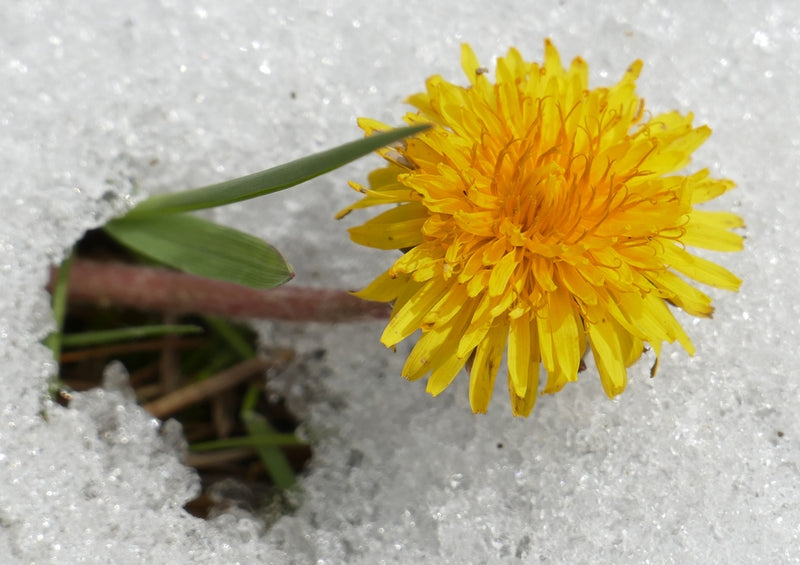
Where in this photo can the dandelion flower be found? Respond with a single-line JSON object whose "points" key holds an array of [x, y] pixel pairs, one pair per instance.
{"points": [[540, 217]]}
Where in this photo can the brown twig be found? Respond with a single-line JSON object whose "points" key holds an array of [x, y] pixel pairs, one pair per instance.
{"points": [[197, 392], [150, 288]]}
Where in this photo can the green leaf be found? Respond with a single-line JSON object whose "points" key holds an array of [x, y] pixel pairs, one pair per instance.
{"points": [[86, 339], [260, 433], [271, 180], [203, 248], [262, 436], [55, 340]]}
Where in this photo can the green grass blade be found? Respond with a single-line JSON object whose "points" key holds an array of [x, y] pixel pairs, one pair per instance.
{"points": [[55, 341], [274, 461], [203, 248], [101, 337], [258, 429], [271, 180], [250, 400]]}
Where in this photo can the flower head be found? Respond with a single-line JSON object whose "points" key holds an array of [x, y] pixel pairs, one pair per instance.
{"points": [[540, 217]]}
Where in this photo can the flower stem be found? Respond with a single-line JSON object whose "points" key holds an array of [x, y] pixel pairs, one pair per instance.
{"points": [[152, 288]]}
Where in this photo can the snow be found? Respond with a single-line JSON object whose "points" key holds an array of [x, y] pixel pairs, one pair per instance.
{"points": [[104, 103]]}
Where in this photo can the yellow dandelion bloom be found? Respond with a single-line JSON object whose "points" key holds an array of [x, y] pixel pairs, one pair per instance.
{"points": [[540, 217]]}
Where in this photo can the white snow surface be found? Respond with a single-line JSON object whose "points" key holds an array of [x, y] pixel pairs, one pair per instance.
{"points": [[105, 102]]}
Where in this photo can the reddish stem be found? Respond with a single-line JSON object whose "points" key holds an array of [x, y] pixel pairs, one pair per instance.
{"points": [[150, 288]]}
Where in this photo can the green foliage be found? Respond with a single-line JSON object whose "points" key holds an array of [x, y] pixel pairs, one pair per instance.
{"points": [[158, 228], [265, 439], [55, 339], [271, 180], [102, 337], [203, 248], [260, 435]]}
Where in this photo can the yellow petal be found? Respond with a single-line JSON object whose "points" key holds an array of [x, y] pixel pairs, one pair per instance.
{"points": [[429, 351], [384, 288], [705, 188], [478, 327], [572, 279], [561, 348], [568, 334], [523, 365], [397, 228], [545, 341], [700, 269], [523, 405], [711, 230], [455, 301], [501, 274], [682, 294], [435, 351], [485, 366], [407, 320], [605, 338], [371, 126], [443, 375], [420, 257], [447, 365], [519, 354], [552, 60], [469, 63]]}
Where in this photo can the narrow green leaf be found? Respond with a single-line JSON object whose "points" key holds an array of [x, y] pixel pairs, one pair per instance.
{"points": [[250, 400], [258, 428], [271, 180], [203, 248], [87, 339], [274, 461], [55, 341]]}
